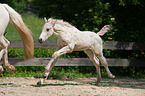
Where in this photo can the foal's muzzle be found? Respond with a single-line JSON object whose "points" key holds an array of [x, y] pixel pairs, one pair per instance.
{"points": [[40, 40]]}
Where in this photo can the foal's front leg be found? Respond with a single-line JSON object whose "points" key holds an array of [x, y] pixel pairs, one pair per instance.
{"points": [[52, 62]]}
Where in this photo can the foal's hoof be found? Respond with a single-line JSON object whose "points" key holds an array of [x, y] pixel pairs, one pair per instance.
{"points": [[97, 83], [39, 83], [1, 70], [111, 76]]}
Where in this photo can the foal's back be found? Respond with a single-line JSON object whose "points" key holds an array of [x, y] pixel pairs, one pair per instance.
{"points": [[86, 40]]}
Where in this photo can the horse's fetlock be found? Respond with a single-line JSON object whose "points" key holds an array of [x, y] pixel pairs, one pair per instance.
{"points": [[1, 69], [6, 65]]}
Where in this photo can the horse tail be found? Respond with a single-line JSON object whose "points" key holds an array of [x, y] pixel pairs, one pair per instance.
{"points": [[25, 33], [105, 29]]}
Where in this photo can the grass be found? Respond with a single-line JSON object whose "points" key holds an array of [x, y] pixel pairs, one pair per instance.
{"points": [[34, 23], [56, 72]]}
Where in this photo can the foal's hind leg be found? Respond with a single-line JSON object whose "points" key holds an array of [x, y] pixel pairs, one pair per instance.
{"points": [[95, 60], [105, 64], [98, 52]]}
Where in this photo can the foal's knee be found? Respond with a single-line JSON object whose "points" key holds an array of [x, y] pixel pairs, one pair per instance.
{"points": [[55, 55]]}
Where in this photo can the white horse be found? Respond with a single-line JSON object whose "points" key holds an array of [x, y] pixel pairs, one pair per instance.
{"points": [[71, 39], [8, 14]]}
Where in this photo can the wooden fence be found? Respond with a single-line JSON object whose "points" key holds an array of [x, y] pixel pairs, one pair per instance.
{"points": [[79, 61]]}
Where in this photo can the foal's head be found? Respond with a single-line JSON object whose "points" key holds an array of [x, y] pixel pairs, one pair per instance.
{"points": [[47, 30]]}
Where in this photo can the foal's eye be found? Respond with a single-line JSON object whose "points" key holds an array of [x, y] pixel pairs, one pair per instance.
{"points": [[47, 29]]}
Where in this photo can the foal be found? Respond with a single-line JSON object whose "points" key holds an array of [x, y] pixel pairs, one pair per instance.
{"points": [[71, 39]]}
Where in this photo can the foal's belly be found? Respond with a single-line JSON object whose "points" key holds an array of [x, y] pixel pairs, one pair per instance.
{"points": [[82, 46]]}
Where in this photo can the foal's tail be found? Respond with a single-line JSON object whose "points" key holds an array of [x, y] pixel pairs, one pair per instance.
{"points": [[24, 32], [105, 29]]}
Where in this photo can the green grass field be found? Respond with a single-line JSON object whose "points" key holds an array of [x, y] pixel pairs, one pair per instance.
{"points": [[34, 23]]}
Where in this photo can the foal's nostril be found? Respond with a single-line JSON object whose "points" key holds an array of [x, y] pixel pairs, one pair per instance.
{"points": [[40, 40]]}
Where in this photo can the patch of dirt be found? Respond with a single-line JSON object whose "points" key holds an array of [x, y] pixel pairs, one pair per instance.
{"points": [[26, 86]]}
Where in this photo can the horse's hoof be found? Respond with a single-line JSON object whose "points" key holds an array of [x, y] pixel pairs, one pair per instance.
{"points": [[1, 70], [11, 68]]}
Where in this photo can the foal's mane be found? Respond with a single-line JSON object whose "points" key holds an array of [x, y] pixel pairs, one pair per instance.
{"points": [[64, 23]]}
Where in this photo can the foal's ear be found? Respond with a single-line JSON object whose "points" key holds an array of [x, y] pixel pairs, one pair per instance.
{"points": [[45, 20], [49, 19]]}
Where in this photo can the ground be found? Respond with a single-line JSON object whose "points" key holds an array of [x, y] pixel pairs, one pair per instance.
{"points": [[26, 86]]}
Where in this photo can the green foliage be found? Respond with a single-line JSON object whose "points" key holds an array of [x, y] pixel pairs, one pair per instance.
{"points": [[18, 5], [33, 23], [129, 16], [134, 72], [16, 53], [75, 72], [126, 15], [85, 15], [43, 53]]}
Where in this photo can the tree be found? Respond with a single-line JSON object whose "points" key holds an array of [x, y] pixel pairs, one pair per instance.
{"points": [[130, 18], [84, 14]]}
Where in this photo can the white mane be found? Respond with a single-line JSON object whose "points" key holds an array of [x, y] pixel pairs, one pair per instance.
{"points": [[105, 29], [64, 23]]}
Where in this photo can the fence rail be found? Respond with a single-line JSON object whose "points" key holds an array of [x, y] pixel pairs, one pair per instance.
{"points": [[79, 61], [106, 45]]}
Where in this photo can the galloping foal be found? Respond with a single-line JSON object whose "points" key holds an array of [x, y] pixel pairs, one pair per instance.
{"points": [[71, 39], [8, 14]]}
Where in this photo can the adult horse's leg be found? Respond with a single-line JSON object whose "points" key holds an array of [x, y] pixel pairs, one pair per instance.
{"points": [[4, 20], [1, 69], [1, 55], [52, 62], [95, 60], [4, 44]]}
